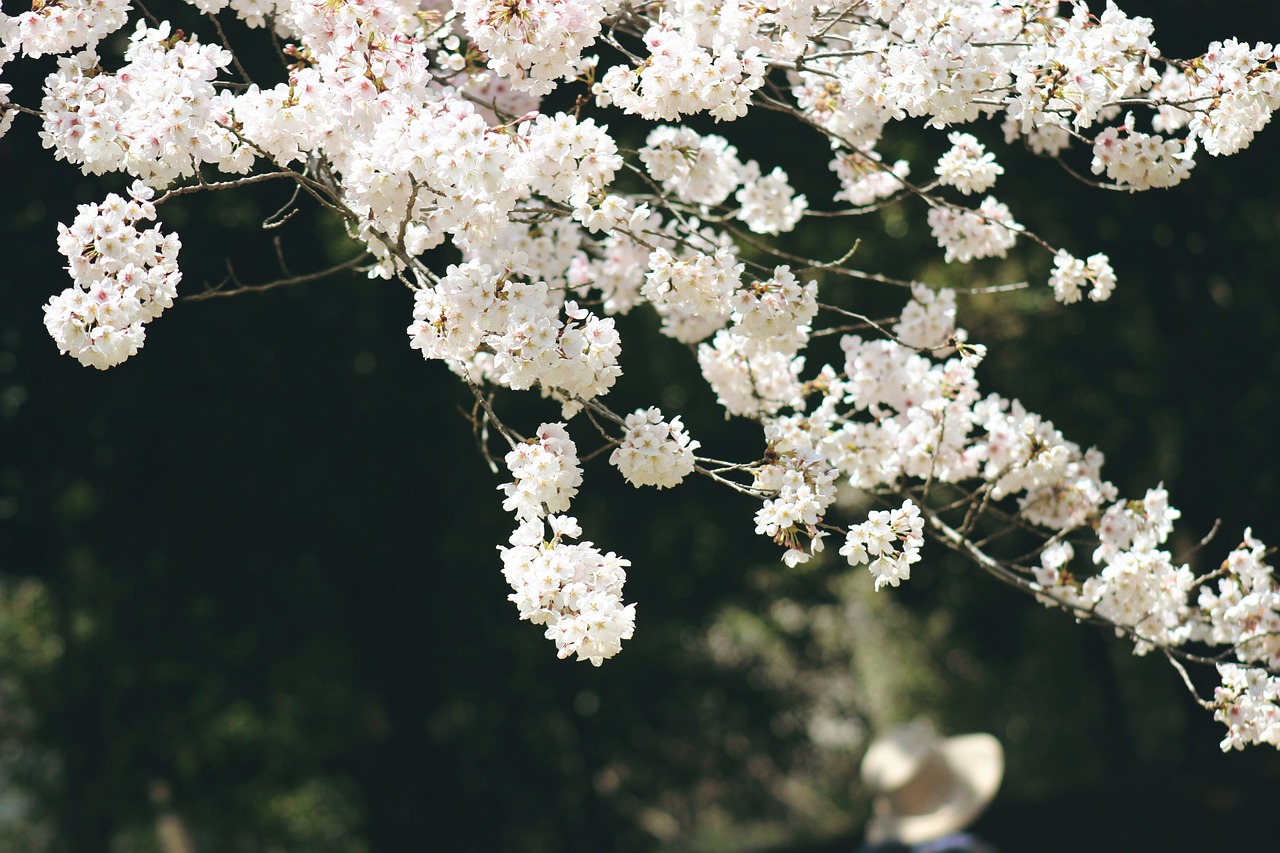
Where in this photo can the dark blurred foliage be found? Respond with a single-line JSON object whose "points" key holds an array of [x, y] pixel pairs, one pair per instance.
{"points": [[251, 579]]}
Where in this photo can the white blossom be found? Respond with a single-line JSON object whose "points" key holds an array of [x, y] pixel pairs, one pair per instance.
{"points": [[1141, 161], [654, 451], [1071, 276], [123, 279], [571, 588], [966, 235], [888, 542], [967, 165], [546, 474]]}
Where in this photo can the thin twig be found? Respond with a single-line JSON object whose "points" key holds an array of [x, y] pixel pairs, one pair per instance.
{"points": [[216, 292]]}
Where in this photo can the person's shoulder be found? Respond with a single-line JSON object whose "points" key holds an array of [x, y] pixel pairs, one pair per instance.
{"points": [[886, 847], [960, 842]]}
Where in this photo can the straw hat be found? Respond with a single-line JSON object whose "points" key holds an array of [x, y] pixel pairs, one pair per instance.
{"points": [[926, 786]]}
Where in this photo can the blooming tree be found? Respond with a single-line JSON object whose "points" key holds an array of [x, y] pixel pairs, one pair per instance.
{"points": [[421, 123]]}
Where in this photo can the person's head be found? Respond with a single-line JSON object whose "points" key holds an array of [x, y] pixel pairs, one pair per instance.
{"points": [[925, 786]]}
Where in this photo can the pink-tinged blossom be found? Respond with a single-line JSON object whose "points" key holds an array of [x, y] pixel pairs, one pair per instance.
{"points": [[682, 77], [123, 277], [692, 292], [928, 321], [1242, 609], [6, 114], [62, 26], [1141, 161], [1247, 703], [888, 542], [546, 474], [966, 235], [1143, 592], [1224, 98], [1135, 525], [1071, 277], [696, 168], [776, 312], [967, 165], [158, 118], [1085, 65], [864, 181], [566, 159], [534, 43], [570, 587], [519, 325], [801, 485], [769, 205], [654, 451], [749, 379]]}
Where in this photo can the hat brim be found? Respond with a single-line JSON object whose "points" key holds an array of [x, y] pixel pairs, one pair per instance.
{"points": [[977, 763]]}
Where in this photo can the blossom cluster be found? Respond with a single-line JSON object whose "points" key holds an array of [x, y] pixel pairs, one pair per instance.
{"points": [[499, 327], [534, 42], [754, 364], [546, 472], [159, 117], [1243, 613], [889, 541], [988, 232], [53, 28], [1240, 84], [1141, 161], [654, 451], [1244, 610], [863, 180], [1248, 703], [967, 165], [705, 170], [572, 588], [681, 77], [1071, 276], [123, 278], [802, 485]]}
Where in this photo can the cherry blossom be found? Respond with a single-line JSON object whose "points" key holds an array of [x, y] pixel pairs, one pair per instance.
{"points": [[124, 278], [524, 230], [654, 451]]}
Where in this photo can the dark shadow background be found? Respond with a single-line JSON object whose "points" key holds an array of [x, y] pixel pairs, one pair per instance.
{"points": [[269, 599]]}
